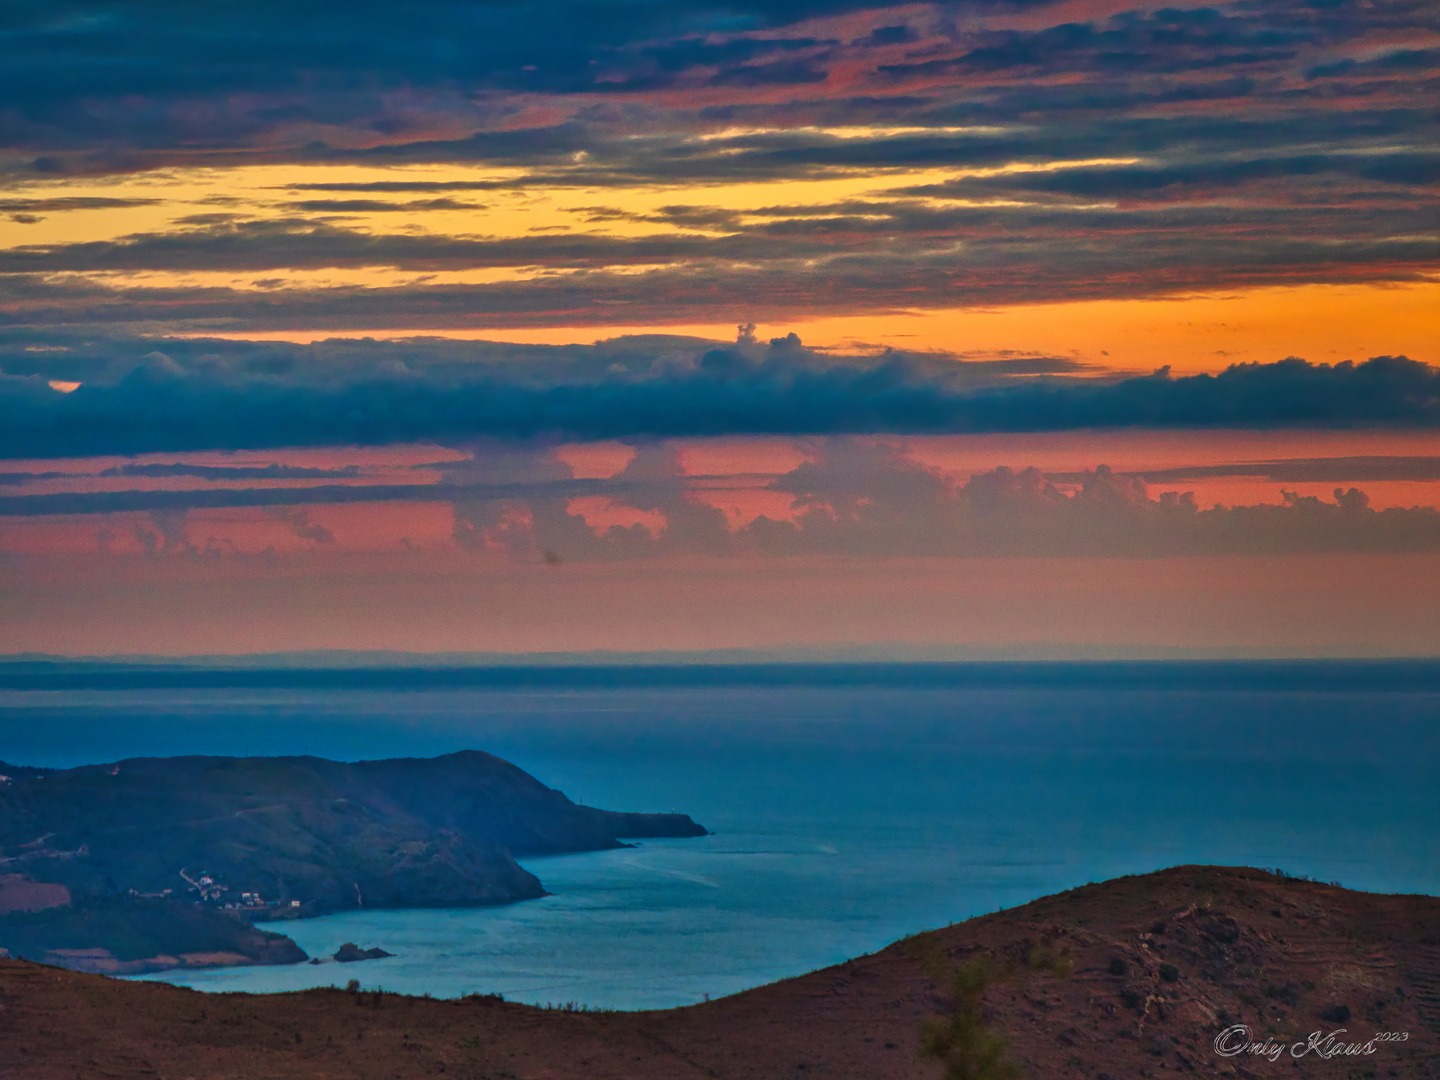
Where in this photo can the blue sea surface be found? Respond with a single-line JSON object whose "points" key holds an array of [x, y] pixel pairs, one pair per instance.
{"points": [[845, 814]]}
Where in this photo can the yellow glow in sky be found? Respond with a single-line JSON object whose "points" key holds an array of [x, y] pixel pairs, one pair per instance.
{"points": [[1203, 332], [1200, 332]]}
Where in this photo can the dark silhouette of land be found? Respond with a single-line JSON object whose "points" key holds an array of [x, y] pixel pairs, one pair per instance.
{"points": [[155, 863], [1132, 978]]}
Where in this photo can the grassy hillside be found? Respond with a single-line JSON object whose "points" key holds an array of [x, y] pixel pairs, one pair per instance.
{"points": [[1129, 979]]}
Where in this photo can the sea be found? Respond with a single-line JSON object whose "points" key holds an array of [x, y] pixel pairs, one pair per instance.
{"points": [[849, 805]]}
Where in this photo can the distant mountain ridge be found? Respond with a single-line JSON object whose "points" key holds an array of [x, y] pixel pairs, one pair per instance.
{"points": [[1393, 674], [283, 837], [882, 652]]}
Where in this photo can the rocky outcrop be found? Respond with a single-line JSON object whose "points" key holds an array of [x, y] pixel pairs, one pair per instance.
{"points": [[349, 953]]}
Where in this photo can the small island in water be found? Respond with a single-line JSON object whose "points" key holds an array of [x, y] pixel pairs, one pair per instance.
{"points": [[159, 863]]}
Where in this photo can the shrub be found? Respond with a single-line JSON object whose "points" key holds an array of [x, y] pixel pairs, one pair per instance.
{"points": [[1289, 993], [961, 1042]]}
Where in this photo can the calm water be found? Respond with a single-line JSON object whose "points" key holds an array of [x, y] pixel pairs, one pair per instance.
{"points": [[845, 816]]}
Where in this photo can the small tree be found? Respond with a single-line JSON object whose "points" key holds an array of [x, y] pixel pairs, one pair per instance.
{"points": [[961, 1041]]}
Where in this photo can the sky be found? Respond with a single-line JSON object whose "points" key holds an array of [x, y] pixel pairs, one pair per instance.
{"points": [[1073, 328]]}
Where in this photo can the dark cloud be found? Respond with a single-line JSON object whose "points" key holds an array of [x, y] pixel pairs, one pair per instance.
{"points": [[1401, 60], [738, 61], [287, 243], [1167, 41], [471, 484], [1400, 168], [60, 204], [899, 34], [705, 293], [780, 73], [233, 472], [15, 479], [113, 89], [341, 393], [126, 82], [372, 206], [873, 501], [400, 186], [298, 521], [1344, 470], [1028, 365]]}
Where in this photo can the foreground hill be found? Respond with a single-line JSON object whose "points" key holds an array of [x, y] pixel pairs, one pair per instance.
{"points": [[1130, 978], [91, 851]]}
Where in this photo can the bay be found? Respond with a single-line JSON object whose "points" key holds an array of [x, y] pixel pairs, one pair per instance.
{"points": [[844, 816]]}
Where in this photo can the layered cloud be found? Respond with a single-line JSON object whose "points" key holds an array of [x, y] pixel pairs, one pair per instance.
{"points": [[883, 255], [126, 84], [845, 497], [474, 166], [221, 395]]}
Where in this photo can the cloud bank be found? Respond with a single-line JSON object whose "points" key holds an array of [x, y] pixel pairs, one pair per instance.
{"points": [[849, 497], [218, 395]]}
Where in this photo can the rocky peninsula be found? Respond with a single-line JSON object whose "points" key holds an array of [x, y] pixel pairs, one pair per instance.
{"points": [[152, 863]]}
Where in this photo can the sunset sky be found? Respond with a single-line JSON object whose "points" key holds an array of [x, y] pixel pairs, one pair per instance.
{"points": [[1020, 328]]}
